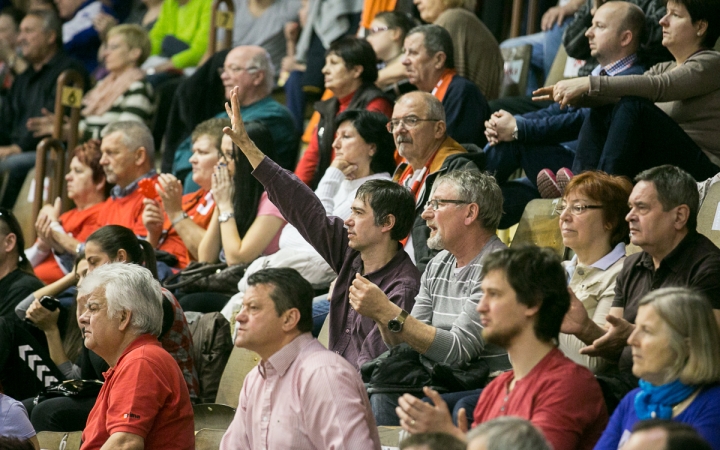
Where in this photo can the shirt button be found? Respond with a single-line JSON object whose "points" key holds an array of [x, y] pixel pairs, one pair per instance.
{"points": [[337, 352], [264, 419], [581, 272], [347, 330]]}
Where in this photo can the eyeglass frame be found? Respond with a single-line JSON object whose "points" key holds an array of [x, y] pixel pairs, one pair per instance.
{"points": [[579, 209], [222, 70], [434, 204], [393, 123], [375, 30]]}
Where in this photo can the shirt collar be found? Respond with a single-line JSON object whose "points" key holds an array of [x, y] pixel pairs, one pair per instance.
{"points": [[283, 358], [118, 192], [603, 263], [676, 257], [615, 68], [611, 258]]}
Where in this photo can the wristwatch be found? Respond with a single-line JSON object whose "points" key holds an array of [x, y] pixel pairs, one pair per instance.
{"points": [[396, 325], [515, 133], [180, 218], [224, 217]]}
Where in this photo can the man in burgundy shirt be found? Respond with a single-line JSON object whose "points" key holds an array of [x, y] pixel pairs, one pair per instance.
{"points": [[301, 396], [524, 301], [380, 216], [144, 402]]}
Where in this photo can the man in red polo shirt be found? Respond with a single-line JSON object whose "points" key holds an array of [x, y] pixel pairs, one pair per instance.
{"points": [[144, 402], [128, 153], [525, 299]]}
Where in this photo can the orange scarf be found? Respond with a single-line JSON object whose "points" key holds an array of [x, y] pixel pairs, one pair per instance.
{"points": [[442, 85]]}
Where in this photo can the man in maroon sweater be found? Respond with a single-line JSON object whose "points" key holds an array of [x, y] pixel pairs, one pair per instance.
{"points": [[369, 249]]}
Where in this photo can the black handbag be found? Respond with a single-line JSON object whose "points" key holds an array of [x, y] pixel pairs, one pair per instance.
{"points": [[206, 277], [70, 388], [401, 370]]}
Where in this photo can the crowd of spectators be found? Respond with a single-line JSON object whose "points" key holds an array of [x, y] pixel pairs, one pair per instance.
{"points": [[379, 224]]}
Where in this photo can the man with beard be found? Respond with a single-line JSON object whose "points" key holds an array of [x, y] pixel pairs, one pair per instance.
{"points": [[420, 132], [524, 301], [462, 213]]}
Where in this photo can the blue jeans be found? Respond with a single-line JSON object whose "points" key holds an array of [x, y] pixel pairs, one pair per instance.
{"points": [[634, 135], [383, 405], [506, 157], [16, 167], [320, 310], [545, 46]]}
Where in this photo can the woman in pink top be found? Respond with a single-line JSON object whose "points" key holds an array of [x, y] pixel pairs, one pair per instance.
{"points": [[245, 224]]}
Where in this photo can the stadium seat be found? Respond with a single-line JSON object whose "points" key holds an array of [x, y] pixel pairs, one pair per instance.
{"points": [[241, 362], [55, 440]]}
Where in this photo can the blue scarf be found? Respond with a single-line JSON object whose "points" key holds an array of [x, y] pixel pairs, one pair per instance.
{"points": [[656, 402]]}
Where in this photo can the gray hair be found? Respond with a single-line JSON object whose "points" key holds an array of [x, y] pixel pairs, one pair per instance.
{"points": [[437, 39], [674, 187], [477, 187], [135, 135], [263, 62], [129, 287], [509, 433], [694, 335], [50, 23]]}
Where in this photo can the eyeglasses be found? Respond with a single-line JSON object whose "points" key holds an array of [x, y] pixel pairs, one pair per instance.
{"points": [[575, 209], [235, 70], [436, 202], [374, 30], [409, 122]]}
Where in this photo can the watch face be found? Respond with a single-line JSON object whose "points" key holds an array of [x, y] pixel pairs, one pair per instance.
{"points": [[394, 326]]}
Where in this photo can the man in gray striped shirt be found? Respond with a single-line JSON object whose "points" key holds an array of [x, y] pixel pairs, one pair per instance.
{"points": [[463, 213]]}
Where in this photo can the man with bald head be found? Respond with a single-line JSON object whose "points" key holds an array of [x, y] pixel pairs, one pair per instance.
{"points": [[250, 68], [546, 139], [419, 128]]}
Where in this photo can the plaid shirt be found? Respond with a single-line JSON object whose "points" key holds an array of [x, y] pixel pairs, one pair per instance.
{"points": [[616, 67], [178, 342]]}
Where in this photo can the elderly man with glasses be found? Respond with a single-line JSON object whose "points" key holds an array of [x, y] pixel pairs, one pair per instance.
{"points": [[462, 213], [420, 133], [250, 68]]}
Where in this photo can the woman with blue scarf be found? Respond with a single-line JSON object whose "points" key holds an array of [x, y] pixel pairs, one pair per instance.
{"points": [[676, 355]]}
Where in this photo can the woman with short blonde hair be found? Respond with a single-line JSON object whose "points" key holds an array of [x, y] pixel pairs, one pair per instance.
{"points": [[676, 355]]}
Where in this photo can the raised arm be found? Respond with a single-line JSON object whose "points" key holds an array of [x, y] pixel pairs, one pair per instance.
{"points": [[238, 134]]}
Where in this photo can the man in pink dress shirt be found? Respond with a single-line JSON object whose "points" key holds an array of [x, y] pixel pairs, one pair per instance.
{"points": [[301, 395]]}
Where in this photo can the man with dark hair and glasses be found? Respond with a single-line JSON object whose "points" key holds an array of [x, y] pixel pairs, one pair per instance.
{"points": [[663, 222], [17, 280], [380, 216], [462, 213], [420, 132]]}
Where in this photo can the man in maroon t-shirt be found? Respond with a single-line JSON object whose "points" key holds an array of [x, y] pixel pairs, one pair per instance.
{"points": [[524, 301]]}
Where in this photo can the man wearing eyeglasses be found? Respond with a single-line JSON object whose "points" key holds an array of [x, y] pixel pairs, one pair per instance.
{"points": [[429, 61], [462, 214], [250, 68], [420, 133]]}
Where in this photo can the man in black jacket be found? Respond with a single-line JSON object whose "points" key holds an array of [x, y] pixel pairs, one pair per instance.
{"points": [[31, 96]]}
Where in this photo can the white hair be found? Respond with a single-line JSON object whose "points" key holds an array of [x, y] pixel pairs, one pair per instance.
{"points": [[129, 287]]}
